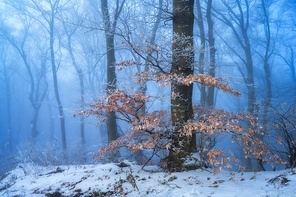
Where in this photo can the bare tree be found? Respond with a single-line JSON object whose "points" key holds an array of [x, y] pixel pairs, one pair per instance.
{"points": [[70, 29], [211, 40], [49, 15], [201, 58], [6, 76], [266, 55], [284, 123], [109, 27], [207, 46], [37, 78], [237, 18]]}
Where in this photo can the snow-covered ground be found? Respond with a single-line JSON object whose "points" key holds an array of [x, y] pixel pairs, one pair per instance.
{"points": [[111, 180]]}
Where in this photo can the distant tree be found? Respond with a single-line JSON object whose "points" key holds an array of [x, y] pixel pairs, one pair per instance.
{"points": [[236, 15], [212, 54], [6, 77], [36, 74], [109, 28], [283, 121], [70, 29], [202, 50], [48, 11], [265, 52]]}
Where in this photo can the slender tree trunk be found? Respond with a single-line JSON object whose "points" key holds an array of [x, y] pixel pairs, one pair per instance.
{"points": [[8, 109], [201, 58], [81, 86], [111, 60], [266, 67], [51, 122], [143, 86], [181, 95], [251, 93], [292, 67], [292, 64], [239, 23], [82, 103], [212, 71], [55, 83], [34, 131]]}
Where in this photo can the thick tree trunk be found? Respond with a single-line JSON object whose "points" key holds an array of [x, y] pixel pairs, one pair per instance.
{"points": [[181, 95], [111, 85]]}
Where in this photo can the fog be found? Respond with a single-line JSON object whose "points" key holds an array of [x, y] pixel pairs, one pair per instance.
{"points": [[53, 66]]}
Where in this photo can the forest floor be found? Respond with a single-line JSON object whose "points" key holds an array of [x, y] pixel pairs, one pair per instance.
{"points": [[131, 180]]}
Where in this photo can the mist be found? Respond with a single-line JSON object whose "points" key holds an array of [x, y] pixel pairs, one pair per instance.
{"points": [[54, 65]]}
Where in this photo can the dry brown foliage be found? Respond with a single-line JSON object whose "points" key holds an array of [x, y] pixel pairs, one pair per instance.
{"points": [[152, 130]]}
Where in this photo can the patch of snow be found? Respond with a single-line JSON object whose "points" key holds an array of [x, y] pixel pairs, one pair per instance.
{"points": [[131, 180], [192, 160]]}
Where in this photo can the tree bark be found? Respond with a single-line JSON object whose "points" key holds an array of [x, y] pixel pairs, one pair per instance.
{"points": [[111, 72], [109, 28], [181, 95]]}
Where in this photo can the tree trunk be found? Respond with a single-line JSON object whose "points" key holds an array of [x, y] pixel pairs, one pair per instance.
{"points": [[201, 58], [212, 71], [181, 95], [111, 72], [239, 23], [251, 92], [111, 85], [266, 59], [8, 108], [55, 83], [82, 103], [143, 86], [81, 86], [51, 121]]}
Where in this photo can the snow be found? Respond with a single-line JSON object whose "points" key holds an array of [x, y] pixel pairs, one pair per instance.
{"points": [[132, 180]]}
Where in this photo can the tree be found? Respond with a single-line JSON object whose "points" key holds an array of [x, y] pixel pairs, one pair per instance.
{"points": [[237, 18], [70, 30], [206, 93], [109, 28], [37, 74], [49, 17], [181, 94], [266, 58], [6, 73], [155, 129], [284, 124], [211, 40], [201, 58]]}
